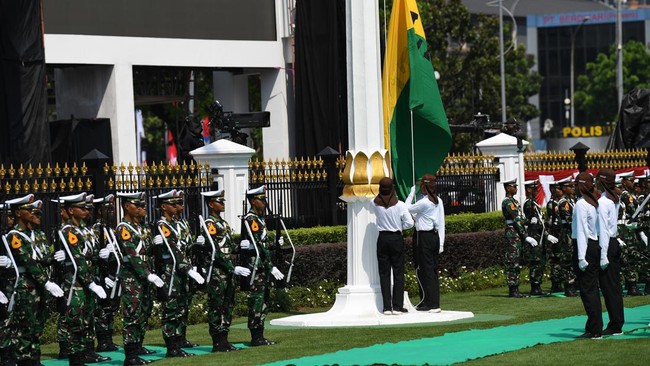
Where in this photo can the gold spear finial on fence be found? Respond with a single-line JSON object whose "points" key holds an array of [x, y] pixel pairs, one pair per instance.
{"points": [[2, 171], [30, 171], [21, 171], [12, 171]]}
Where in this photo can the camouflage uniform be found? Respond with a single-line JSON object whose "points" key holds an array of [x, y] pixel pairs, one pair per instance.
{"points": [[221, 284], [553, 250], [25, 321], [136, 297], [632, 257], [77, 315], [7, 280], [515, 234], [173, 309], [188, 287], [259, 297], [565, 255], [106, 308], [43, 256], [535, 256]]}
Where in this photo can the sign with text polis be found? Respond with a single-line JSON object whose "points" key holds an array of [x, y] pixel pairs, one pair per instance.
{"points": [[583, 131]]}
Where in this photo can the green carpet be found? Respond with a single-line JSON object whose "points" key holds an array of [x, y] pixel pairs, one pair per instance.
{"points": [[118, 356], [471, 344]]}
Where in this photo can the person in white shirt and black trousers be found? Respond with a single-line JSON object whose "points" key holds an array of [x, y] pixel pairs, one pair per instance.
{"points": [[587, 253], [392, 217], [610, 251], [428, 240]]}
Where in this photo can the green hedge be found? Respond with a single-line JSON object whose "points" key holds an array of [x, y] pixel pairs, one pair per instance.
{"points": [[454, 224]]}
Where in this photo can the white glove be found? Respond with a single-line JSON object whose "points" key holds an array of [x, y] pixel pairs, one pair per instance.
{"points": [[531, 241], [644, 238], [245, 244], [242, 271], [158, 239], [552, 239], [603, 263], [200, 240], [281, 241], [196, 276], [98, 290], [5, 261], [277, 274], [109, 283], [533, 221], [110, 247], [3, 298], [442, 249], [582, 263], [157, 281], [104, 253], [621, 242], [54, 289], [59, 256]]}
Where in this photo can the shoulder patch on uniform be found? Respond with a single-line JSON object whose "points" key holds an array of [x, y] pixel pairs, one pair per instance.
{"points": [[16, 243], [566, 205], [255, 226], [165, 230], [125, 234], [512, 206], [212, 229], [72, 238], [630, 199]]}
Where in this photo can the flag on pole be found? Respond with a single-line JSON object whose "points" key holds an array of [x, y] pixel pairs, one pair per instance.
{"points": [[410, 91]]}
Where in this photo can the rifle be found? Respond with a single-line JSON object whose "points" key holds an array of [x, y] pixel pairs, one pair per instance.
{"points": [[74, 265], [214, 249], [118, 257], [15, 265], [171, 254]]}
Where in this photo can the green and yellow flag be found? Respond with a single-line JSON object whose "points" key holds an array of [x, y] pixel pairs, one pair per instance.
{"points": [[410, 91]]}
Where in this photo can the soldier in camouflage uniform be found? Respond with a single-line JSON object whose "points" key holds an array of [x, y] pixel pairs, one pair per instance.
{"points": [[565, 254], [553, 227], [136, 276], [91, 250], [171, 266], [79, 280], [535, 254], [515, 235], [221, 277], [25, 319], [631, 245], [109, 262], [186, 244], [643, 233], [7, 280], [256, 255]]}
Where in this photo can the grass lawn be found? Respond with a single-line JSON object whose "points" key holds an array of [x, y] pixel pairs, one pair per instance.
{"points": [[293, 343]]}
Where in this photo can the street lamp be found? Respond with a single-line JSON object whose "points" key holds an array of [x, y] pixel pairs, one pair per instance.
{"points": [[573, 49]]}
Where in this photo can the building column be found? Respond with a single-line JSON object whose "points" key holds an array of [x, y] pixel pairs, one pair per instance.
{"points": [[277, 138]]}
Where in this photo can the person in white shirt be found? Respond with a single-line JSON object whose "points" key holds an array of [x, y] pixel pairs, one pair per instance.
{"points": [[585, 232], [428, 240], [610, 251], [392, 217]]}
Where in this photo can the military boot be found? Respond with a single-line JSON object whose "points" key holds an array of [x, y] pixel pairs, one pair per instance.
{"points": [[90, 356], [257, 338], [185, 343], [570, 290], [556, 287], [105, 342], [174, 347], [144, 351], [514, 292], [632, 290], [77, 359], [64, 350], [220, 343], [131, 355], [536, 290]]}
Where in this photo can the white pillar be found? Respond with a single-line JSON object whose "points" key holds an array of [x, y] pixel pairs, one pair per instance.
{"points": [[275, 99], [119, 105], [231, 160], [504, 148]]}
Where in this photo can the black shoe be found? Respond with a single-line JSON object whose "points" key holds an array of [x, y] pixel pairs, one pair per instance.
{"points": [[609, 332], [588, 335], [556, 287], [423, 308], [632, 290], [220, 343], [90, 356], [514, 292], [570, 290], [144, 351], [257, 338], [187, 344], [106, 347], [400, 309], [131, 356], [174, 349], [536, 290]]}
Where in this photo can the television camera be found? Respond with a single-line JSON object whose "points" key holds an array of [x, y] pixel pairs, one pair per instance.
{"points": [[231, 123]]}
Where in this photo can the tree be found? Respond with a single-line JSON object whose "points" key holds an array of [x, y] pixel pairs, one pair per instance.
{"points": [[465, 51], [596, 91]]}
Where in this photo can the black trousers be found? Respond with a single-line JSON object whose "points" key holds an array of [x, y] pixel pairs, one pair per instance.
{"points": [[390, 255], [588, 282], [426, 255], [610, 285]]}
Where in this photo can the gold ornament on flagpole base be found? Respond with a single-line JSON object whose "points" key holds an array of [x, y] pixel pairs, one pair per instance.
{"points": [[362, 174]]}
